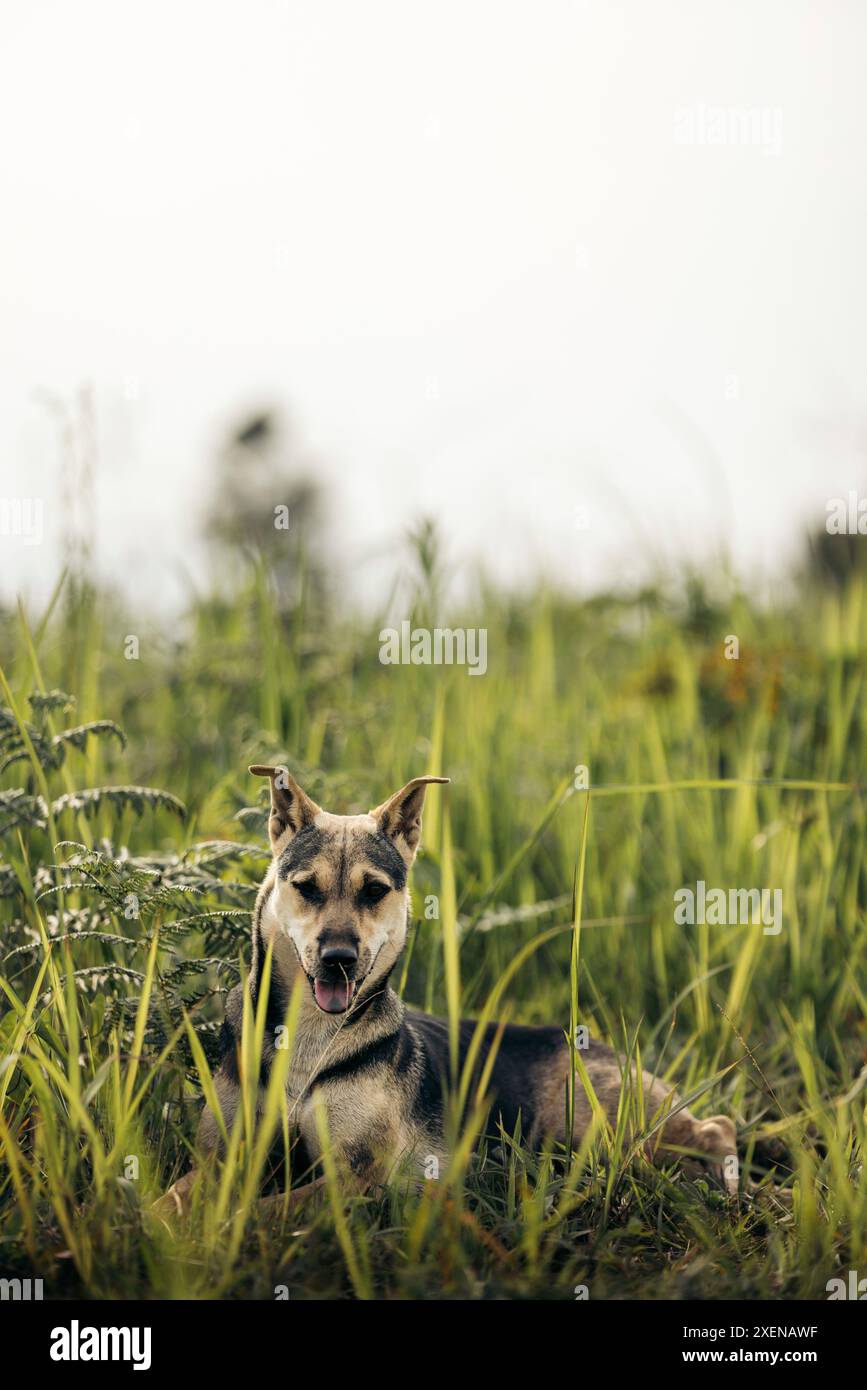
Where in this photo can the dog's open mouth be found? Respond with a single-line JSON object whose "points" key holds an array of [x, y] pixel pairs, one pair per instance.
{"points": [[333, 996]]}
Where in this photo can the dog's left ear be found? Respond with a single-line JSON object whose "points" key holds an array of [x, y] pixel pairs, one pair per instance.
{"points": [[291, 807], [400, 816]]}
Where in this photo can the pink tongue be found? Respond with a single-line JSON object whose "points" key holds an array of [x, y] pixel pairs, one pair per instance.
{"points": [[334, 999]]}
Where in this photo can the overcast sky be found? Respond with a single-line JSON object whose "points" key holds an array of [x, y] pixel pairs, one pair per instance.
{"points": [[498, 262]]}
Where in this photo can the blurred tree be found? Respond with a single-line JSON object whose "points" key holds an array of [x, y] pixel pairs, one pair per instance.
{"points": [[834, 559], [266, 505], [835, 555]]}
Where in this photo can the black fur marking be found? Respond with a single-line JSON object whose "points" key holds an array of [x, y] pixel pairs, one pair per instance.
{"points": [[359, 1158], [228, 1044], [230, 1033], [256, 962], [383, 855], [341, 869], [376, 1053], [301, 850], [275, 1014], [521, 1050], [278, 1163]]}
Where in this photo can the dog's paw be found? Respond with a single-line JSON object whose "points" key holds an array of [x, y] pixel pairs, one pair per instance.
{"points": [[717, 1137], [176, 1203]]}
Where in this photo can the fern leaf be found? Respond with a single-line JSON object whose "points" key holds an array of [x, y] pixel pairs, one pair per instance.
{"points": [[141, 799]]}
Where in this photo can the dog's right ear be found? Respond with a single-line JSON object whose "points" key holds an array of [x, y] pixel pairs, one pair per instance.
{"points": [[291, 808]]}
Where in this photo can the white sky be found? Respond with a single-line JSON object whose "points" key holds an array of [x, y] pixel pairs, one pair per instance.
{"points": [[349, 208]]}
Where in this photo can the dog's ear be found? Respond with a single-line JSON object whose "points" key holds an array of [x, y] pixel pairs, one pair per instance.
{"points": [[400, 816], [291, 808]]}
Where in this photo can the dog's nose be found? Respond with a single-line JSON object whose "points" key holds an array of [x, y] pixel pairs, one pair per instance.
{"points": [[337, 956]]}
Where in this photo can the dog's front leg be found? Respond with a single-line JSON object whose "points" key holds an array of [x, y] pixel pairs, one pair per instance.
{"points": [[362, 1128], [282, 1204], [177, 1202]]}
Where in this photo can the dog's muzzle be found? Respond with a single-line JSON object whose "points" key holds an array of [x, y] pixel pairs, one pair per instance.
{"points": [[334, 985]]}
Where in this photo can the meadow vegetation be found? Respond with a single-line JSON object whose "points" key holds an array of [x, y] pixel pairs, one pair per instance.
{"points": [[132, 841]]}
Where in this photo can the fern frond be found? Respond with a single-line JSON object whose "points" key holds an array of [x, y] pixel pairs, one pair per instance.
{"points": [[18, 807], [198, 920], [141, 799], [199, 966], [9, 884], [43, 702], [107, 938], [79, 735], [94, 977]]}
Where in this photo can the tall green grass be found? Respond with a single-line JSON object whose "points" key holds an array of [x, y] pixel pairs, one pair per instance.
{"points": [[554, 905]]}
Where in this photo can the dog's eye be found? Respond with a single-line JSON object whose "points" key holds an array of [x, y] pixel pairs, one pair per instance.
{"points": [[373, 892], [308, 890]]}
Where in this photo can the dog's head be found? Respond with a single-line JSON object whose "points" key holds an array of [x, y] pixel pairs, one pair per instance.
{"points": [[340, 890]]}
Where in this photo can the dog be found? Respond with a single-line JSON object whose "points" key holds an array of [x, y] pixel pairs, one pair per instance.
{"points": [[334, 908]]}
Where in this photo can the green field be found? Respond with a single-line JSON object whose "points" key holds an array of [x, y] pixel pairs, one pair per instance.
{"points": [[125, 919]]}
